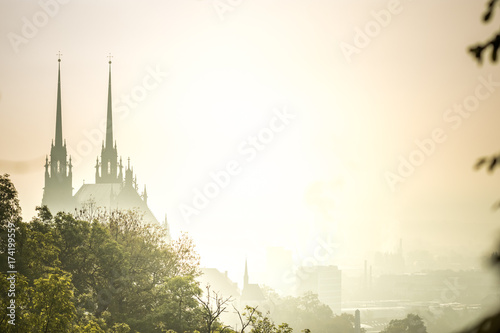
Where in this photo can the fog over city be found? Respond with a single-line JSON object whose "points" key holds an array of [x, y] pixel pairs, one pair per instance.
{"points": [[284, 137]]}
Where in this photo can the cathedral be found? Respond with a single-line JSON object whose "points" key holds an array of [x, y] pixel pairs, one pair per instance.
{"points": [[114, 188]]}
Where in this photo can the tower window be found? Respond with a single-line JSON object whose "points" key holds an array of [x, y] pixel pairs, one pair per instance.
{"points": [[58, 166], [109, 167]]}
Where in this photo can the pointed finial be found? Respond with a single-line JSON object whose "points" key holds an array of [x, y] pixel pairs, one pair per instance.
{"points": [[59, 54], [145, 195]]}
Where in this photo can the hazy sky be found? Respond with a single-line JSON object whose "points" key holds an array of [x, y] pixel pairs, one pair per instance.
{"points": [[336, 93]]}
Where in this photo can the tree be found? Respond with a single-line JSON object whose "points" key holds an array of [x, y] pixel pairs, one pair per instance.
{"points": [[178, 305], [212, 307], [10, 211], [263, 323], [52, 303], [22, 304], [10, 216], [246, 317], [102, 273], [307, 312], [411, 324]]}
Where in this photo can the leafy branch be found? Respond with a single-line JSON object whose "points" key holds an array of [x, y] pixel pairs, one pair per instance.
{"points": [[494, 43]]}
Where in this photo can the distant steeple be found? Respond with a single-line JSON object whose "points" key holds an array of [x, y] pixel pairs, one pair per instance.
{"points": [[110, 169], [58, 108], [245, 277], [109, 120], [58, 190]]}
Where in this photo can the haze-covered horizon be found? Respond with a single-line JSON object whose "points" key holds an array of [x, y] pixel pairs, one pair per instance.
{"points": [[315, 123]]}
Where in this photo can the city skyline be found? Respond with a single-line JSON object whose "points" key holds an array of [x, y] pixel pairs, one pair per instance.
{"points": [[304, 130]]}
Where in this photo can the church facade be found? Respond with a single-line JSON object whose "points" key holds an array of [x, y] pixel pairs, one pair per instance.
{"points": [[115, 185]]}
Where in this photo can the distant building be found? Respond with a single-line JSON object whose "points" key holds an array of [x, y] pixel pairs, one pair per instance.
{"points": [[113, 189], [325, 281], [251, 294], [219, 282], [443, 287]]}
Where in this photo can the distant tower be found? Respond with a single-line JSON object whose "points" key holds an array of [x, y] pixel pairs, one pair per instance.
{"points": [[357, 322], [245, 277], [58, 190], [110, 170]]}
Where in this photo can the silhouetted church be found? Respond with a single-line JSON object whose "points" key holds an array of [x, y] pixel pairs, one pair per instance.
{"points": [[251, 293], [113, 189]]}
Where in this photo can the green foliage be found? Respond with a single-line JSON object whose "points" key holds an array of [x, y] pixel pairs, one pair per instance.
{"points": [[10, 215], [112, 274], [52, 307], [411, 324], [22, 298], [308, 313], [263, 323], [177, 306], [10, 211]]}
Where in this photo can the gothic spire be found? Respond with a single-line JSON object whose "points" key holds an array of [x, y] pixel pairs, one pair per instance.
{"points": [[58, 110], [109, 124], [58, 190], [245, 277]]}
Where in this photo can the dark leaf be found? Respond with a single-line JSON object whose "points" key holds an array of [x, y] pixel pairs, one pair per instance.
{"points": [[476, 51], [480, 163], [492, 164]]}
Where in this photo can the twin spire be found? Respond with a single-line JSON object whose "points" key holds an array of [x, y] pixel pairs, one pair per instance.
{"points": [[109, 170], [109, 120]]}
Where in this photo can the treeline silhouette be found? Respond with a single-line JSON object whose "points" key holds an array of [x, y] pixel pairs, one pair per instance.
{"points": [[111, 273]]}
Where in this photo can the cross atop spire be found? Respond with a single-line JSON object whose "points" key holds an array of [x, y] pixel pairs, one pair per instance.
{"points": [[59, 54], [109, 58]]}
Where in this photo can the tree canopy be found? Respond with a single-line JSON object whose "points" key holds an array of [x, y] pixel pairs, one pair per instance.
{"points": [[112, 274]]}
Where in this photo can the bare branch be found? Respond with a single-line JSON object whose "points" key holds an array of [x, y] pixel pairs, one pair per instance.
{"points": [[249, 317]]}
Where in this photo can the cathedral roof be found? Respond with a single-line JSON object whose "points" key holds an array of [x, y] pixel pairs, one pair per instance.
{"points": [[114, 196], [252, 292], [219, 282]]}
